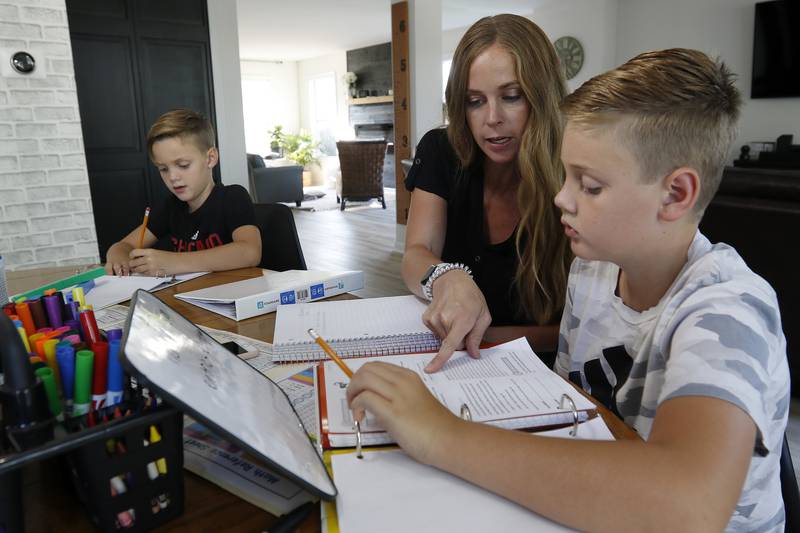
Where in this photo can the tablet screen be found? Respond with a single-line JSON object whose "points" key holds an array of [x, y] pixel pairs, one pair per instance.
{"points": [[203, 378]]}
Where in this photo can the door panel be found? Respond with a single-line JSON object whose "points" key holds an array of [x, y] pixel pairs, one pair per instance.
{"points": [[111, 102], [134, 60]]}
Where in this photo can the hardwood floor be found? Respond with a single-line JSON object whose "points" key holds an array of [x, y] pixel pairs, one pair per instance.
{"points": [[359, 239]]}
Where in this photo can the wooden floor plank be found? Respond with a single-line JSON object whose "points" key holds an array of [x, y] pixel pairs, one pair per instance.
{"points": [[360, 239]]}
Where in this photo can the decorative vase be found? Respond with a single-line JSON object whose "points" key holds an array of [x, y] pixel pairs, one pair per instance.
{"points": [[353, 91]]}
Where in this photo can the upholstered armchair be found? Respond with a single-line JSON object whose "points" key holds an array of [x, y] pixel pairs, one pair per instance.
{"points": [[361, 165], [274, 184]]}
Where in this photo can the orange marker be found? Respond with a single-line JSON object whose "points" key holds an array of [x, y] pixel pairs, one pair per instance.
{"points": [[328, 350], [144, 226]]}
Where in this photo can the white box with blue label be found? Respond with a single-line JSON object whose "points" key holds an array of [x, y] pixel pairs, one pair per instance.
{"points": [[258, 296]]}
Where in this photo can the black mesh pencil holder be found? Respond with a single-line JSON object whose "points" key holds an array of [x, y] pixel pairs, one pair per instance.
{"points": [[132, 479]]}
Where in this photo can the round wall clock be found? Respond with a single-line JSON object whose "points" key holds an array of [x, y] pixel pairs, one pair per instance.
{"points": [[570, 52]]}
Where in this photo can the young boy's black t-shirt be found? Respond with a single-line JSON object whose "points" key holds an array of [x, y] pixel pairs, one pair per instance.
{"points": [[227, 208]]}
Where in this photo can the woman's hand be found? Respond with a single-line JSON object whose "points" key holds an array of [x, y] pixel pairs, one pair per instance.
{"points": [[458, 315], [403, 405], [150, 262]]}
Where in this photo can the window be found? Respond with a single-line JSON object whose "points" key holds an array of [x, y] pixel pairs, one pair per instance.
{"points": [[322, 110], [259, 114]]}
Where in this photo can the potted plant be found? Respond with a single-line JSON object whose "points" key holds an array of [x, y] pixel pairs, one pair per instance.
{"points": [[301, 148], [276, 139]]}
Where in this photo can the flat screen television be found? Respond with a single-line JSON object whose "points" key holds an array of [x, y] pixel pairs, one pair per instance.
{"points": [[776, 50]]}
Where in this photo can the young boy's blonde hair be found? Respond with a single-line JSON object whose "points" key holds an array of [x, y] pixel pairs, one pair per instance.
{"points": [[183, 123], [670, 108]]}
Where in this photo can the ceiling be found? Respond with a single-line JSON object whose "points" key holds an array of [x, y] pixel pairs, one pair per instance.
{"points": [[302, 29]]}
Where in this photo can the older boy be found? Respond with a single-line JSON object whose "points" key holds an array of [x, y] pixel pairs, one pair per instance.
{"points": [[676, 335], [202, 226]]}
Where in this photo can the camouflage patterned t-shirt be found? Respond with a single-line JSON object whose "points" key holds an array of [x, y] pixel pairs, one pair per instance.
{"points": [[716, 332]]}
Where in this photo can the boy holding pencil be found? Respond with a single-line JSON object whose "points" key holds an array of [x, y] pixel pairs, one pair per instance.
{"points": [[674, 334], [202, 226]]}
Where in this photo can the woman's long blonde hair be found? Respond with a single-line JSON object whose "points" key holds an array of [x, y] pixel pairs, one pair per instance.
{"points": [[543, 250]]}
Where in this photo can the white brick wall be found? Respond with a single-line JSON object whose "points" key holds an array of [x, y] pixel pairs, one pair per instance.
{"points": [[45, 205]]}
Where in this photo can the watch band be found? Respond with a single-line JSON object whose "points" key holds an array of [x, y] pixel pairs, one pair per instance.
{"points": [[441, 268]]}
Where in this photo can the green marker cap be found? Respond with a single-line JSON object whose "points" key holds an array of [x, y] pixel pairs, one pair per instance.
{"points": [[84, 361], [49, 380]]}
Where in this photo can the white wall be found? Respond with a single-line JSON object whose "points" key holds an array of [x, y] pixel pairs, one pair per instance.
{"points": [[284, 86], [45, 206], [592, 22], [721, 28], [223, 35], [425, 45]]}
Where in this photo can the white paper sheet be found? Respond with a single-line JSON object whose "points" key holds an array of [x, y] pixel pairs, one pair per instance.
{"points": [[110, 290], [388, 491]]}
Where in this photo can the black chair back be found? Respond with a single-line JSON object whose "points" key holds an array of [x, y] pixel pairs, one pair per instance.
{"points": [[280, 246], [791, 496]]}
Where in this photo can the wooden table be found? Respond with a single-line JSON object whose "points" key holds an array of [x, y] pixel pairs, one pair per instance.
{"points": [[207, 507]]}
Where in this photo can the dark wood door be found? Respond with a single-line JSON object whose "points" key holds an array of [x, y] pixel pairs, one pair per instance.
{"points": [[134, 60]]}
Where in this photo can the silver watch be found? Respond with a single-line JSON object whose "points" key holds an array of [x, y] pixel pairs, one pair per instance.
{"points": [[437, 270]]}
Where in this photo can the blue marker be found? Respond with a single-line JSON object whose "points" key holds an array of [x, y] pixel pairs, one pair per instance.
{"points": [[115, 376], [65, 356]]}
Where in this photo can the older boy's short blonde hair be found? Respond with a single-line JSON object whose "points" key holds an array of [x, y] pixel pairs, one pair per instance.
{"points": [[183, 123], [671, 108]]}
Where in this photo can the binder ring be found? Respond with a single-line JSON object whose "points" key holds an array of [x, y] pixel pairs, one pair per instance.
{"points": [[465, 413], [359, 455], [574, 431]]}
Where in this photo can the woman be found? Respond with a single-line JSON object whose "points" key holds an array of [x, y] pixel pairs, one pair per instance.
{"points": [[484, 240]]}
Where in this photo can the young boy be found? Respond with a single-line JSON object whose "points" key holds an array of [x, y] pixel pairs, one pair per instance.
{"points": [[673, 333], [202, 226]]}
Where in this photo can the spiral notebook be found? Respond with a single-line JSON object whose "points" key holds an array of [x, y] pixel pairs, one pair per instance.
{"points": [[354, 328]]}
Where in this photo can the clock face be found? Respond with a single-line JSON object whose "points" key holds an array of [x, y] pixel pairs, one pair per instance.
{"points": [[570, 52]]}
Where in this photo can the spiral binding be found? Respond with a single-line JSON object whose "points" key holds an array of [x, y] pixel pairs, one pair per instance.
{"points": [[297, 352]]}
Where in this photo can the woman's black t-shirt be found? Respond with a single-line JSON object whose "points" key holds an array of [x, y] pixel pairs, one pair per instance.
{"points": [[437, 170]]}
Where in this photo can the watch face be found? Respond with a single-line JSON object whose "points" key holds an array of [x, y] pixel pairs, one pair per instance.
{"points": [[570, 52], [427, 275]]}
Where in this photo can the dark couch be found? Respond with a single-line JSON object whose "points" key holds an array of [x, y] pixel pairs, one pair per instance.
{"points": [[757, 211], [274, 184]]}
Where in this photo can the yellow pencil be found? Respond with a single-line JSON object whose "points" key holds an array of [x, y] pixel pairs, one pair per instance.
{"points": [[144, 227], [328, 350]]}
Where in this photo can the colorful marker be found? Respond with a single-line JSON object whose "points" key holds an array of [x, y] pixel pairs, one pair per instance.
{"points": [[115, 374], [84, 360], [24, 313], [53, 304], [38, 313], [47, 377], [99, 374], [50, 358], [161, 463], [79, 296], [91, 333]]}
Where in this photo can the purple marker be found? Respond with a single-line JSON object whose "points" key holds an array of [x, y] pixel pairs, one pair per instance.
{"points": [[65, 356], [73, 324], [115, 376], [74, 311], [52, 304], [114, 334]]}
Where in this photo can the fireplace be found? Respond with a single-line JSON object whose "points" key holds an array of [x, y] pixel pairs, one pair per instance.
{"points": [[375, 131]]}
